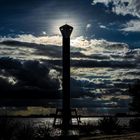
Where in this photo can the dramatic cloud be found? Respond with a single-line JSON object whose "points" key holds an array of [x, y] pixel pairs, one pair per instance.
{"points": [[122, 7], [46, 47], [97, 46], [29, 38], [131, 26], [100, 70], [32, 79], [27, 79], [29, 50]]}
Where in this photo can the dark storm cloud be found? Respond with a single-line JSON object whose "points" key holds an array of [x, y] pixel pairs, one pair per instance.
{"points": [[111, 64], [4, 84], [101, 88], [99, 64], [30, 79], [77, 89]]}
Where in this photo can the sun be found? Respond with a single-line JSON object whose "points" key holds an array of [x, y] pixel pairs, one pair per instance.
{"points": [[65, 19]]}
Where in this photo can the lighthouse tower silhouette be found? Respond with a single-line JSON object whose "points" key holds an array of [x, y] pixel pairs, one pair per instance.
{"points": [[66, 31]]}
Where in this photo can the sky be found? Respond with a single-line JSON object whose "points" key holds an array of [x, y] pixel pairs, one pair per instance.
{"points": [[105, 53], [113, 20]]}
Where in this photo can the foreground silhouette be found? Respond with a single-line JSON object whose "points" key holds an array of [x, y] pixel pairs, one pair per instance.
{"points": [[106, 128], [134, 91]]}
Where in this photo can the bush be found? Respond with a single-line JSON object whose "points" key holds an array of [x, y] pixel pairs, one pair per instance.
{"points": [[135, 125], [10, 129], [43, 132], [88, 128], [134, 91], [26, 132], [7, 128], [109, 125]]}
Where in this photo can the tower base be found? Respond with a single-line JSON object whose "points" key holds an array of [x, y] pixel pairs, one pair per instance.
{"points": [[74, 122]]}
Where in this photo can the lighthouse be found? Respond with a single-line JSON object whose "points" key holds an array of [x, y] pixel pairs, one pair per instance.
{"points": [[66, 31]]}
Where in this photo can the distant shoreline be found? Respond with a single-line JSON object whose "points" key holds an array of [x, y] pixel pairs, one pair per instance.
{"points": [[52, 116]]}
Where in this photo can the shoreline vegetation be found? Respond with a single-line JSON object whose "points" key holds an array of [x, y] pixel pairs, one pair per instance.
{"points": [[81, 116], [105, 128]]}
